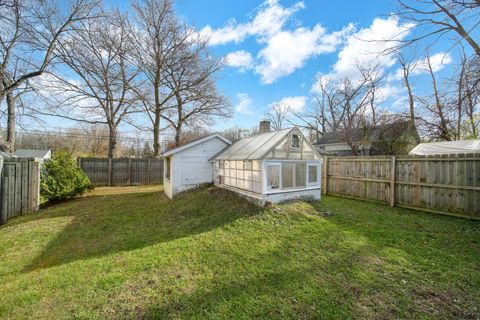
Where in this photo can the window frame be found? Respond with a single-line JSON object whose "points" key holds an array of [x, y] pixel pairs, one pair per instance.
{"points": [[281, 189], [168, 169], [317, 165], [273, 164]]}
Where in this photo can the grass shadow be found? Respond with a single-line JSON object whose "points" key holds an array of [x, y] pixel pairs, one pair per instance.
{"points": [[105, 224]]}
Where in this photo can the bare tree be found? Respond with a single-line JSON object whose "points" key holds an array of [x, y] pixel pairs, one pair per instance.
{"points": [[435, 18], [407, 69], [439, 123], [190, 75], [278, 115], [157, 38], [103, 91], [30, 31]]}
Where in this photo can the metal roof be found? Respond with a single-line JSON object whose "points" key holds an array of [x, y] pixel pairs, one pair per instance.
{"points": [[253, 148], [447, 147], [30, 153]]}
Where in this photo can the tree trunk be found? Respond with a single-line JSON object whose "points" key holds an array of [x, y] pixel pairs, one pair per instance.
{"points": [[156, 135], [112, 141], [178, 134], [11, 122], [411, 104]]}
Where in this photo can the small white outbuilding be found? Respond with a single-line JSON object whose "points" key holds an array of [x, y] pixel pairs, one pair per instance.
{"points": [[188, 166]]}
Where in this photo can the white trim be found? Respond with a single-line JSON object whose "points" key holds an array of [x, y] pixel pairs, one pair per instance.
{"points": [[194, 143], [317, 185]]}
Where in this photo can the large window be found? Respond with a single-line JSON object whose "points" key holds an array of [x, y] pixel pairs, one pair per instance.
{"points": [[291, 175]]}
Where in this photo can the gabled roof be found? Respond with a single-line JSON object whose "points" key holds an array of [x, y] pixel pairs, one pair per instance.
{"points": [[370, 134], [447, 147], [253, 148], [30, 153], [194, 143]]}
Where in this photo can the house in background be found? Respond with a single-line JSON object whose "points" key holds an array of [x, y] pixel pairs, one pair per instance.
{"points": [[188, 166], [270, 167], [41, 155], [395, 138]]}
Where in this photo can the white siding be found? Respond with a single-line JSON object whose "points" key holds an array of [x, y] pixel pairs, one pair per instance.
{"points": [[190, 167]]}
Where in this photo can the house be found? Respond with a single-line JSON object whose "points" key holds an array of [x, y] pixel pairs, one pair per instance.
{"points": [[41, 155], [188, 166], [447, 147], [270, 167], [394, 138]]}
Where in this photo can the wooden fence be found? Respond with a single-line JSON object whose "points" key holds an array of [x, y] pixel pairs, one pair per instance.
{"points": [[442, 184], [20, 187], [124, 171]]}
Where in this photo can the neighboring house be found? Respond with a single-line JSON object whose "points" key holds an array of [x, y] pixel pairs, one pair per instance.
{"points": [[41, 155], [270, 167], [188, 166], [447, 147], [395, 138]]}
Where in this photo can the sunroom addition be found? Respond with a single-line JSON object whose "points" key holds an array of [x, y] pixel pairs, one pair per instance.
{"points": [[270, 167]]}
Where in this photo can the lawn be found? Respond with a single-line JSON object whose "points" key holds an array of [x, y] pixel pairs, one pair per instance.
{"points": [[128, 253]]}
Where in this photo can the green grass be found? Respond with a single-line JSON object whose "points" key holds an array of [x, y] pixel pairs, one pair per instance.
{"points": [[131, 253]]}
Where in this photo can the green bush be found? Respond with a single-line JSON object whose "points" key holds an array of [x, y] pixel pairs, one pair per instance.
{"points": [[62, 178]]}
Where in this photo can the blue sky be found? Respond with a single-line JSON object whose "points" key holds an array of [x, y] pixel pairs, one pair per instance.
{"points": [[275, 50]]}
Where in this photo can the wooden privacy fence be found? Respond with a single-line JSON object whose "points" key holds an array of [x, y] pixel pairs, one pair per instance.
{"points": [[20, 187], [122, 171], [447, 184]]}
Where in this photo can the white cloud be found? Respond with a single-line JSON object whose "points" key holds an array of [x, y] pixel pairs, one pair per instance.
{"points": [[438, 61], [370, 46], [239, 59], [269, 19], [244, 105], [294, 103], [287, 51]]}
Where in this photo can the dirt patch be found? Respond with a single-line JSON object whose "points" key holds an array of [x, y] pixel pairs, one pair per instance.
{"points": [[442, 304]]}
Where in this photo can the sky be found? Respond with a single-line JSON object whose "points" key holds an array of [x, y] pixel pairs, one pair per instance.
{"points": [[275, 50]]}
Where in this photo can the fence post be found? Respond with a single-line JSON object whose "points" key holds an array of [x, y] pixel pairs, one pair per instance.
{"points": [[392, 182], [148, 171], [3, 198], [110, 172], [325, 173], [129, 177]]}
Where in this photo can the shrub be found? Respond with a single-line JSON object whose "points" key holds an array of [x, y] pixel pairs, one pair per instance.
{"points": [[62, 178]]}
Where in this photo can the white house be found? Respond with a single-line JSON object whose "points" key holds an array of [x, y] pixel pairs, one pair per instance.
{"points": [[188, 166], [270, 167]]}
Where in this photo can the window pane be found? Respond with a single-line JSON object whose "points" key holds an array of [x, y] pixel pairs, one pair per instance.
{"points": [[300, 174], [295, 141], [167, 169], [312, 174], [273, 176], [287, 175]]}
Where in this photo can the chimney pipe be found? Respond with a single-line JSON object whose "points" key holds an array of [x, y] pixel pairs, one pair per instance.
{"points": [[264, 126]]}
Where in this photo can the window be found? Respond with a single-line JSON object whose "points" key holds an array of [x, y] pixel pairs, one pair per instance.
{"points": [[287, 175], [273, 176], [221, 164], [167, 168], [295, 141], [300, 175], [312, 174], [247, 165]]}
